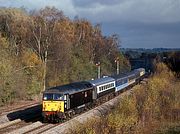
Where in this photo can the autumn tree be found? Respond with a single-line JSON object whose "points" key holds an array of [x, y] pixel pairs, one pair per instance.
{"points": [[41, 40], [46, 48], [14, 26]]}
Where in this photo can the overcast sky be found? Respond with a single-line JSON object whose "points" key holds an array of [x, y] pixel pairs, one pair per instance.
{"points": [[139, 23]]}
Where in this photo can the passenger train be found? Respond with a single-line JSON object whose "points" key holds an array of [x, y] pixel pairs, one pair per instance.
{"points": [[61, 102]]}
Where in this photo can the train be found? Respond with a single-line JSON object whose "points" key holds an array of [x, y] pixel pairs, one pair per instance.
{"points": [[62, 102]]}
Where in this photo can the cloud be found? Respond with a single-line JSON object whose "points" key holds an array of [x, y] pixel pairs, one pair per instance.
{"points": [[145, 35], [147, 11], [65, 5], [140, 23], [92, 3]]}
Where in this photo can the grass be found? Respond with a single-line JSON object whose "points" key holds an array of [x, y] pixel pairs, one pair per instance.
{"points": [[153, 108]]}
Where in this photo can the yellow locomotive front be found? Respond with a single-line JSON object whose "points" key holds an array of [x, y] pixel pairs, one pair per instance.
{"points": [[52, 106]]}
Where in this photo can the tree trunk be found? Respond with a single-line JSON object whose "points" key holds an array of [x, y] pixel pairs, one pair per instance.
{"points": [[45, 70]]}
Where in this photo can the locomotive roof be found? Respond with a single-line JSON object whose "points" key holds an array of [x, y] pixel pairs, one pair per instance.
{"points": [[70, 88], [120, 76], [101, 81], [126, 75]]}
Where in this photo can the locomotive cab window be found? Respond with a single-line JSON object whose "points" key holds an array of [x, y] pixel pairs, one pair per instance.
{"points": [[47, 96], [52, 96], [58, 97]]}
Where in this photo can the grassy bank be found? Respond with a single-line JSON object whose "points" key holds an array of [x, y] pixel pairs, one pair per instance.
{"points": [[153, 107]]}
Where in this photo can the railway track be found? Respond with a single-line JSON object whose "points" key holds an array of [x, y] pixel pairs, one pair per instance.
{"points": [[18, 117], [23, 113], [13, 126], [96, 112], [19, 126], [41, 129], [11, 109], [34, 125], [23, 119]]}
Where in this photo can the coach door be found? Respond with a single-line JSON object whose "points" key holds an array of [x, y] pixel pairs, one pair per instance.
{"points": [[95, 93]]}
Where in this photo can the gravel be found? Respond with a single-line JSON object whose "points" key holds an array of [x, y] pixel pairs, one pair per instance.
{"points": [[26, 128], [83, 118]]}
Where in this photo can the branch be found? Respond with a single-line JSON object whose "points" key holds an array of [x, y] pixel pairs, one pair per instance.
{"points": [[24, 68]]}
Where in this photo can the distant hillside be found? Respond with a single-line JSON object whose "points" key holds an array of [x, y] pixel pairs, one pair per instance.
{"points": [[153, 50], [141, 57]]}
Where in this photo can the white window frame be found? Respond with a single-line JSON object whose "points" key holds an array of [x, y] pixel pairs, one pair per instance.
{"points": [[100, 91]]}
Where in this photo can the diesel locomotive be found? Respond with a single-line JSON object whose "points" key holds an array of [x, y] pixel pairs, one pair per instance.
{"points": [[61, 102]]}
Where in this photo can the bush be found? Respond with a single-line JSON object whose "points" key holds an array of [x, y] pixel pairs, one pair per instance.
{"points": [[152, 108]]}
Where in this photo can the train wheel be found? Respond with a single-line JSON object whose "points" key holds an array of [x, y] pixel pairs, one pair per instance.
{"points": [[44, 120]]}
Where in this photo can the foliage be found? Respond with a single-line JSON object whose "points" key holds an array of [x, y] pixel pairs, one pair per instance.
{"points": [[44, 48], [125, 116], [152, 108]]}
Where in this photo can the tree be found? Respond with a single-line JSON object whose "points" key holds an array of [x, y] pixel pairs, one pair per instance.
{"points": [[13, 25], [42, 37]]}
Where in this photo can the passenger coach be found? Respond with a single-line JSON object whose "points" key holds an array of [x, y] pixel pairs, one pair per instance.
{"points": [[102, 86], [63, 101], [121, 82]]}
